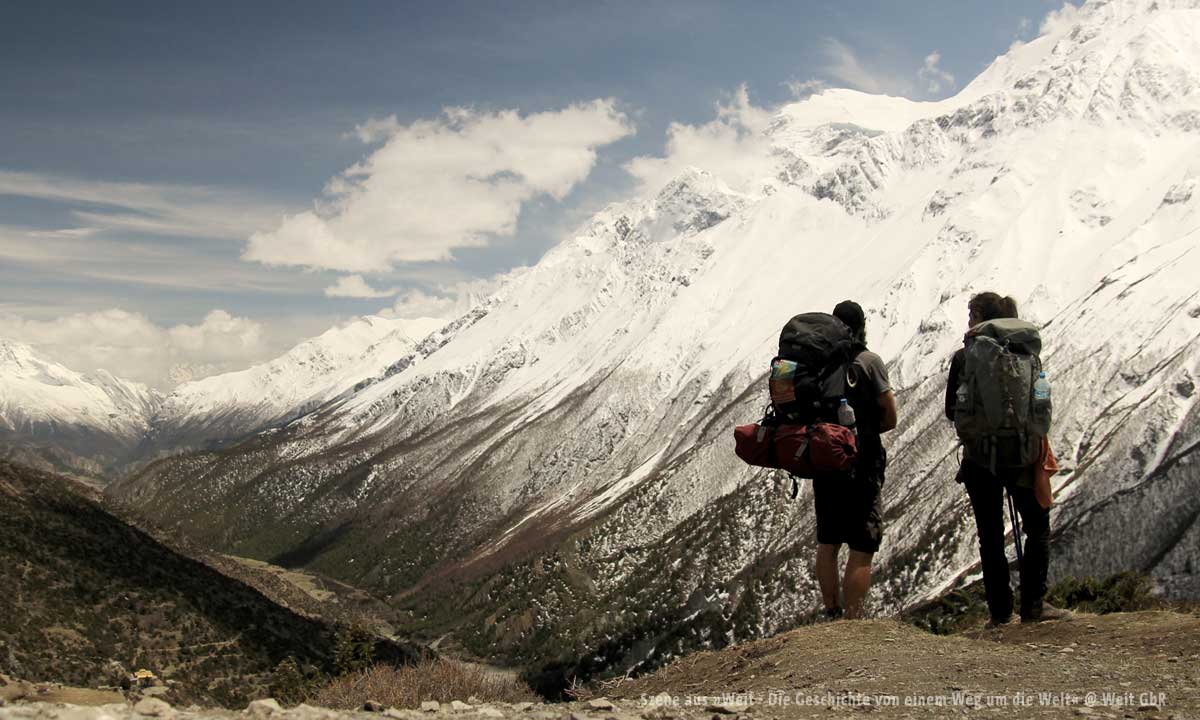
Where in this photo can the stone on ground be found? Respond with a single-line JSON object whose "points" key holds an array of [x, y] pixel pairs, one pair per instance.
{"points": [[264, 708], [153, 707]]}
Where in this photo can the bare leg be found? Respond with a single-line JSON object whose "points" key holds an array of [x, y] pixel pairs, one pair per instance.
{"points": [[827, 574], [857, 582]]}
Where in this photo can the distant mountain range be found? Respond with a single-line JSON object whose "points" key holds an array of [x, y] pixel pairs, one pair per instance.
{"points": [[96, 424], [551, 476]]}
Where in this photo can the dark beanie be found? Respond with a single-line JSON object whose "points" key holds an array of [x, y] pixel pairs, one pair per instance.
{"points": [[851, 313]]}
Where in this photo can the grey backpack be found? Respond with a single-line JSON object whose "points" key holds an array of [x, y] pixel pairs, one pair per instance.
{"points": [[1000, 424]]}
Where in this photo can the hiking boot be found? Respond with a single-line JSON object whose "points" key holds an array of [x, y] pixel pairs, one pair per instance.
{"points": [[997, 622], [1045, 613]]}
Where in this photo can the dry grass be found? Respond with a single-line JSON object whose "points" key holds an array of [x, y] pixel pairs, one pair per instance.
{"points": [[410, 685]]}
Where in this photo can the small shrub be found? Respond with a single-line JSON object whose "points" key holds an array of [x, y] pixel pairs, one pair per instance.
{"points": [[410, 685], [352, 651], [953, 612], [290, 686], [1123, 592]]}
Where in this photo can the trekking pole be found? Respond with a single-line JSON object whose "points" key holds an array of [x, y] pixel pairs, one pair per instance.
{"points": [[1016, 524]]}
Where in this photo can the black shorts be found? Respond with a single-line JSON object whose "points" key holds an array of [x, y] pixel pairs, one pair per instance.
{"points": [[849, 509]]}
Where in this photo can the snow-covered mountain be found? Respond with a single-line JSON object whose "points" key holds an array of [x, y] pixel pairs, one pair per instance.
{"points": [[54, 417], [560, 457], [97, 425], [230, 406]]}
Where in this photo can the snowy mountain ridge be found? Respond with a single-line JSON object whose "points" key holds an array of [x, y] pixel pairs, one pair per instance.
{"points": [[312, 373], [56, 418], [35, 391], [126, 421]]}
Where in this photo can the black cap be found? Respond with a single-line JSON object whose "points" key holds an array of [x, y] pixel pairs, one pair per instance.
{"points": [[851, 313]]}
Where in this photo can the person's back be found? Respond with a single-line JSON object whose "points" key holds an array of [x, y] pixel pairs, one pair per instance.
{"points": [[983, 307], [866, 381], [848, 507], [985, 487]]}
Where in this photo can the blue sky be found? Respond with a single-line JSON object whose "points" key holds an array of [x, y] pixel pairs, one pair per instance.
{"points": [[142, 144]]}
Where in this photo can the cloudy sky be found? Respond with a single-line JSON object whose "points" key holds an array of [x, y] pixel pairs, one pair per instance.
{"points": [[198, 186]]}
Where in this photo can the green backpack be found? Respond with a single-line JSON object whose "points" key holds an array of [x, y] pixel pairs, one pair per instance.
{"points": [[999, 421]]}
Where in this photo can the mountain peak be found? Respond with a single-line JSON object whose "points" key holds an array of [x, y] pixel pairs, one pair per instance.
{"points": [[1122, 9], [13, 352]]}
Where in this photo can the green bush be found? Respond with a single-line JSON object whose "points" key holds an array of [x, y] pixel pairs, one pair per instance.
{"points": [[953, 612], [290, 686], [353, 650], [1123, 592]]}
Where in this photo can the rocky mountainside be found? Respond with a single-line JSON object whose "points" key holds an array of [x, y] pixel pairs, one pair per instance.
{"points": [[550, 477], [87, 600]]}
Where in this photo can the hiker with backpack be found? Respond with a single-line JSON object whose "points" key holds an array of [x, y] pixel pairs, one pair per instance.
{"points": [[830, 403], [848, 506], [999, 400]]}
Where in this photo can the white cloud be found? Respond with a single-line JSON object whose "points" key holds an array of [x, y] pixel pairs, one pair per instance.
{"points": [[801, 89], [878, 75], [376, 129], [843, 65], [450, 300], [131, 346], [418, 304], [1061, 20], [354, 286], [177, 210], [437, 185], [934, 77], [1024, 25], [220, 336], [87, 256], [731, 147]]}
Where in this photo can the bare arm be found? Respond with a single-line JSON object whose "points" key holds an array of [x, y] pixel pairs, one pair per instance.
{"points": [[887, 411]]}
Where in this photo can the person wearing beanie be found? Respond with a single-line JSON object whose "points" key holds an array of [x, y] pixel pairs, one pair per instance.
{"points": [[848, 509]]}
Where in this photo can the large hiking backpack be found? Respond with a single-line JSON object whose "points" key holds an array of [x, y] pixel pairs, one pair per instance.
{"points": [[808, 377], [999, 422], [807, 383]]}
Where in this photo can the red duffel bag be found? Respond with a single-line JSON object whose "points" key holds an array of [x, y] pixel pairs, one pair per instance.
{"points": [[804, 450]]}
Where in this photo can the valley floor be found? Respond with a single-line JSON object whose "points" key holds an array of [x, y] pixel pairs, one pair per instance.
{"points": [[1140, 665]]}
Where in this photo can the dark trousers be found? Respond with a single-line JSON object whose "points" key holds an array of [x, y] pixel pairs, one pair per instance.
{"points": [[989, 505]]}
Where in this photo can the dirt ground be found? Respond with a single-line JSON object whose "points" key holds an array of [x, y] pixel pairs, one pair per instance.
{"points": [[1127, 665], [11, 691], [1140, 665]]}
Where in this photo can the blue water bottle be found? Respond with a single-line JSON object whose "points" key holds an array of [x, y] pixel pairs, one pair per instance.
{"points": [[1041, 389]]}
